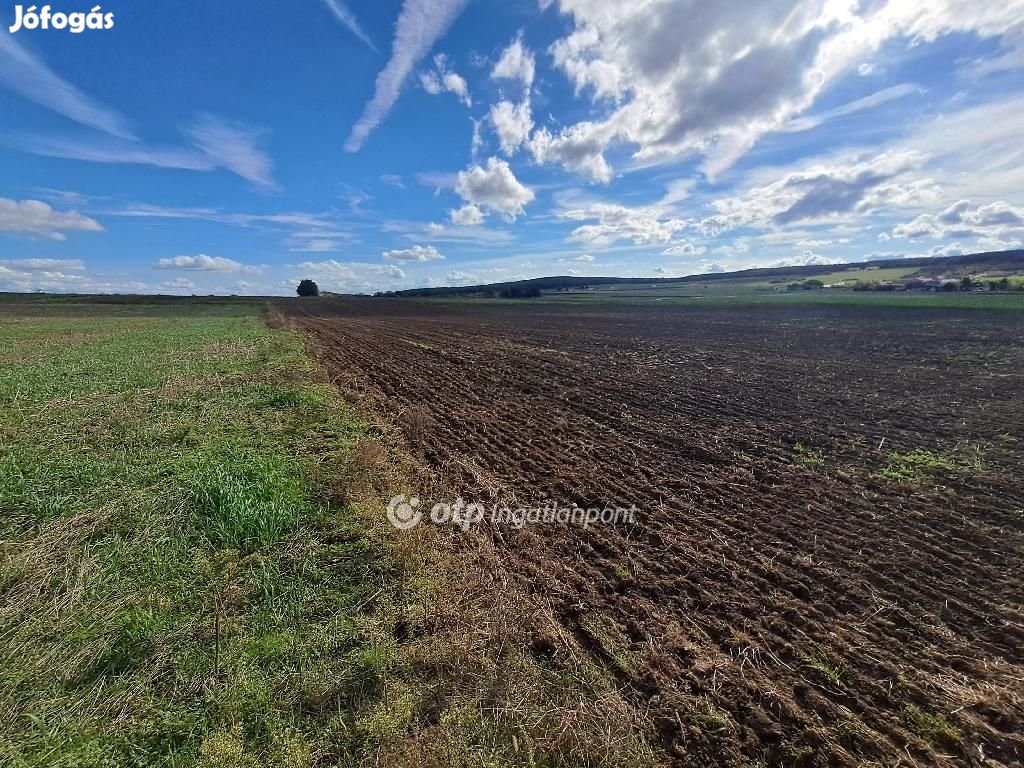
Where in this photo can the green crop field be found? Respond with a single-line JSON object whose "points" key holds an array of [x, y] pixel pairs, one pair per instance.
{"points": [[179, 582]]}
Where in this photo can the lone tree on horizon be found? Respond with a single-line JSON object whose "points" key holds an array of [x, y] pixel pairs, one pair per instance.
{"points": [[308, 288]]}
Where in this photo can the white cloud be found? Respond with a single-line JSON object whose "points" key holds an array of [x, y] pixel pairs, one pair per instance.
{"points": [[467, 216], [684, 248], [233, 147], [217, 144], [326, 270], [876, 99], [713, 78], [37, 218], [512, 123], [347, 277], [644, 226], [713, 267], [443, 79], [495, 188], [804, 259], [345, 15], [823, 189], [579, 148], [431, 83], [456, 84], [516, 63], [961, 220], [178, 284], [460, 278], [44, 265], [315, 245], [204, 263], [392, 180], [23, 73], [415, 253], [420, 24]]}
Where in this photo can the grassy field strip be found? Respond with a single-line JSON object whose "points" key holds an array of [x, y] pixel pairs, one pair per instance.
{"points": [[178, 586]]}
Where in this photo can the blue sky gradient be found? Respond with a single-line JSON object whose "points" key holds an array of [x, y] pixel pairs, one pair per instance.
{"points": [[236, 147]]}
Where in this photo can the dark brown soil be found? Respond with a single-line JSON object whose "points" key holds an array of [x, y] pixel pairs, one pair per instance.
{"points": [[776, 600]]}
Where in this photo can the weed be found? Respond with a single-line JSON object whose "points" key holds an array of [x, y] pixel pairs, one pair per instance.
{"points": [[933, 728], [920, 465], [826, 666], [808, 457]]}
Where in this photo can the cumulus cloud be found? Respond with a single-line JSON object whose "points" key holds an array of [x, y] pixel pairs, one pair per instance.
{"points": [[684, 248], [467, 216], [347, 277], [415, 253], [512, 123], [57, 281], [579, 148], [177, 285], [420, 24], [516, 63], [713, 267], [804, 259], [37, 218], [961, 220], [821, 191], [644, 225], [494, 187], [675, 77], [443, 79], [204, 263]]}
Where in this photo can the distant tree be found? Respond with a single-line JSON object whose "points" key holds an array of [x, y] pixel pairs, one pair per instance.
{"points": [[308, 288], [966, 284]]}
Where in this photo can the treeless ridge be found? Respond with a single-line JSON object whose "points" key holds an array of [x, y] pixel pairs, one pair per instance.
{"points": [[776, 599]]}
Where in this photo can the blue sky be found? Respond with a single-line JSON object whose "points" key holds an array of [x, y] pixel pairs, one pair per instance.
{"points": [[236, 147]]}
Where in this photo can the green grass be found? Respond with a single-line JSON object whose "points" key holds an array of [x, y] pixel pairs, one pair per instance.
{"points": [[867, 275], [921, 465], [831, 670], [933, 728], [808, 457], [177, 585]]}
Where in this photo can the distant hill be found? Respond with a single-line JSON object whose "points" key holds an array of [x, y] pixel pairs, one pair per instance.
{"points": [[955, 266]]}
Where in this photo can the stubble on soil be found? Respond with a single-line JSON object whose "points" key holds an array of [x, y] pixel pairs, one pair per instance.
{"points": [[784, 596]]}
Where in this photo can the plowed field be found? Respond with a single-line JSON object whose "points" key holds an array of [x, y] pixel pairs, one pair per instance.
{"points": [[826, 568]]}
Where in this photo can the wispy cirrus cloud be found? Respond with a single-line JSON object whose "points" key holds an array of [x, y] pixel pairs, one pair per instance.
{"points": [[345, 15], [420, 24], [44, 265], [24, 73], [216, 144]]}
